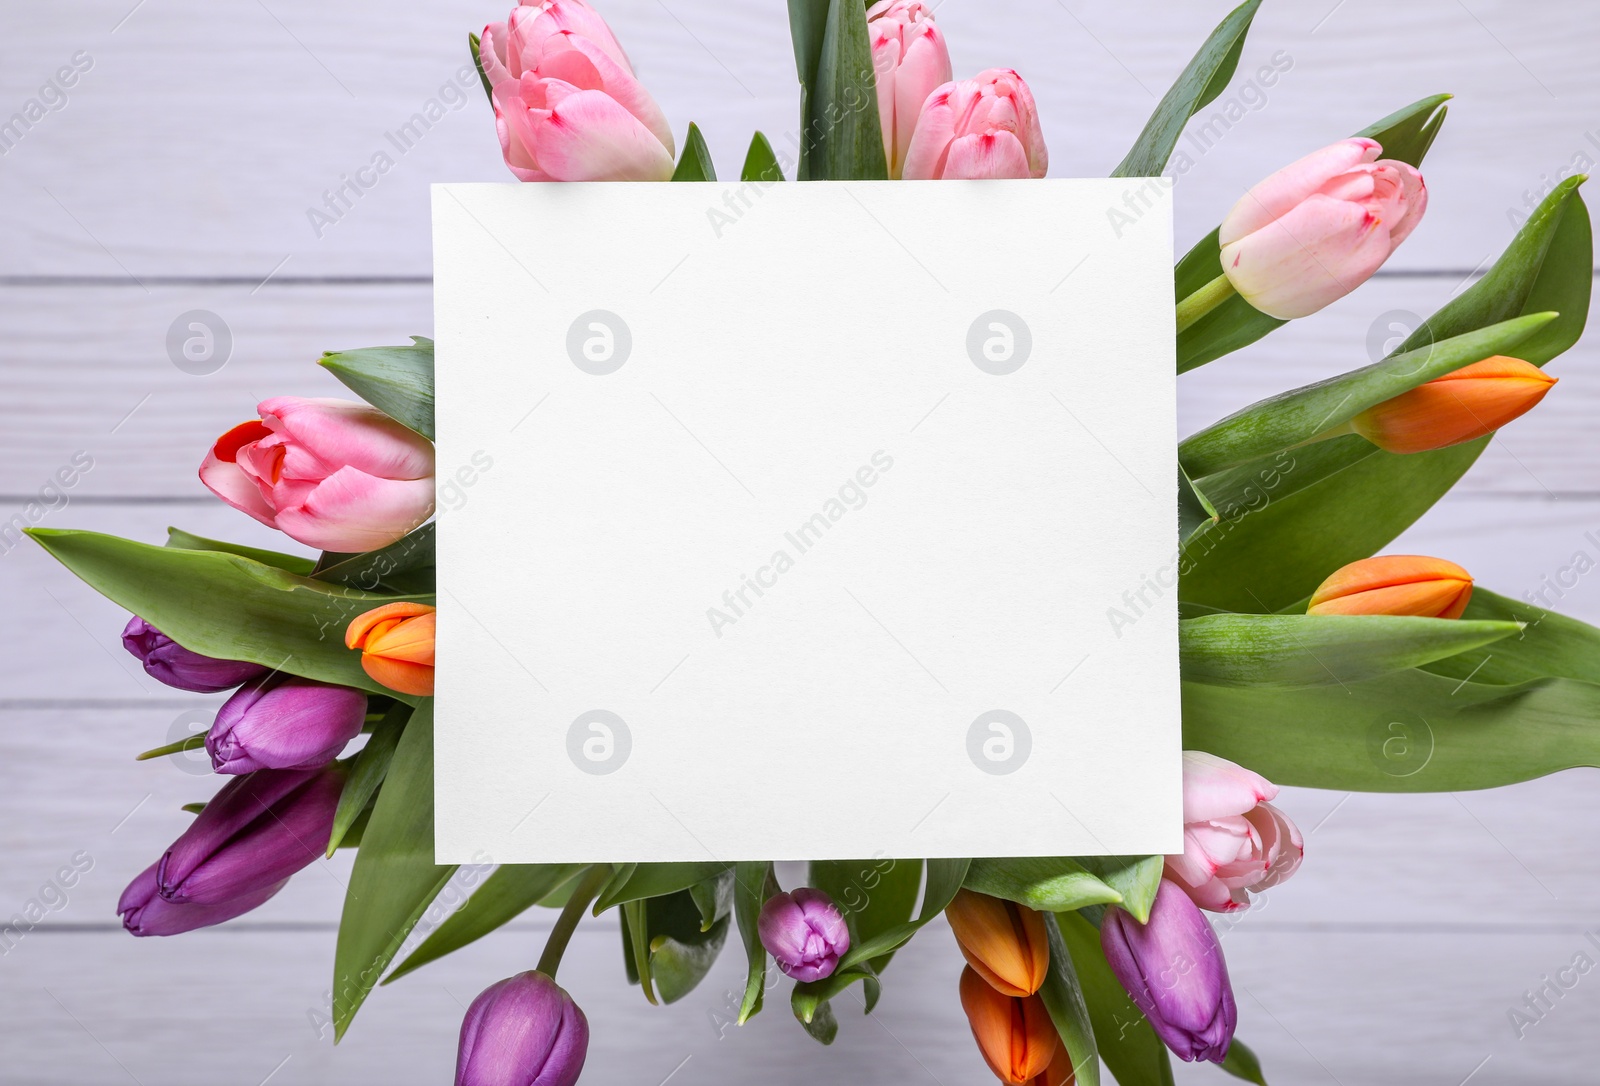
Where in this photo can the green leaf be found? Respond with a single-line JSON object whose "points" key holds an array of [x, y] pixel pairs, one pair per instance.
{"points": [[637, 881], [1405, 134], [760, 163], [1407, 732], [944, 879], [508, 892], [753, 884], [1136, 878], [1344, 499], [1133, 1053], [842, 138], [404, 566], [1241, 1062], [1294, 418], [1551, 646], [370, 767], [811, 1001], [293, 563], [477, 64], [875, 896], [713, 898], [1195, 510], [679, 952], [394, 878], [695, 165], [1199, 84], [1063, 998], [1049, 884], [1321, 650], [821, 1024], [224, 605], [396, 380]]}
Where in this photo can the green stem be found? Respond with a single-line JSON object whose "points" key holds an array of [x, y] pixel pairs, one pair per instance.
{"points": [[1203, 301], [571, 913]]}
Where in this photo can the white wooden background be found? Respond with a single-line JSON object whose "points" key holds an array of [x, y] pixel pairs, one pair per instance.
{"points": [[177, 176]]}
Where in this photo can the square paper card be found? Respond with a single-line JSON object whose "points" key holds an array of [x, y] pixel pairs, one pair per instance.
{"points": [[804, 520]]}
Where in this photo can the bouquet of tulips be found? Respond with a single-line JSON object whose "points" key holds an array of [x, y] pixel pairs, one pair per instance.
{"points": [[1307, 656]]}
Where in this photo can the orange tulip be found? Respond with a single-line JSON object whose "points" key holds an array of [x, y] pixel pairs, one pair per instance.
{"points": [[396, 643], [1005, 942], [1059, 1073], [1461, 406], [1395, 584], [1014, 1035]]}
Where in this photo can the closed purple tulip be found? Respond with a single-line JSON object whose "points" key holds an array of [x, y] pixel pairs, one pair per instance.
{"points": [[284, 722], [805, 932], [523, 1031], [145, 912], [166, 660], [1172, 967], [258, 830]]}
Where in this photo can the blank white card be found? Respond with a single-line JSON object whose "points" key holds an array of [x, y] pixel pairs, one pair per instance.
{"points": [[821, 520]]}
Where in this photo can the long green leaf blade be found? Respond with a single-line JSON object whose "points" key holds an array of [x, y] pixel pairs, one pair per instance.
{"points": [[1063, 998], [367, 774], [1057, 884], [394, 878]]}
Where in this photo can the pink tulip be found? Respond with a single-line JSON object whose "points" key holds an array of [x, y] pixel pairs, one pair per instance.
{"points": [[1318, 228], [333, 474], [978, 128], [566, 103], [911, 61], [1233, 841]]}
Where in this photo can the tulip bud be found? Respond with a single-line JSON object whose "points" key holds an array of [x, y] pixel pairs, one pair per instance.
{"points": [[333, 474], [284, 722], [1015, 1035], [986, 127], [145, 912], [1233, 842], [257, 831], [1470, 403], [567, 106], [1004, 942], [1059, 1073], [1395, 584], [1318, 228], [911, 61], [1172, 968], [396, 643], [523, 1031], [169, 662], [805, 932]]}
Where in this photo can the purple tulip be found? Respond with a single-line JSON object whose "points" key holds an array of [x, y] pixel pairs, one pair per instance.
{"points": [[284, 722], [523, 1031], [1172, 967], [145, 912], [805, 932], [171, 663], [257, 830]]}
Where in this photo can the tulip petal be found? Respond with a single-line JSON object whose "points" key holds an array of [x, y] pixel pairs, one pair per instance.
{"points": [[1280, 192], [1315, 254], [355, 635], [1006, 943], [343, 433], [351, 511], [993, 155], [591, 137], [1015, 1036], [221, 474], [145, 913], [400, 676], [591, 68], [1217, 788]]}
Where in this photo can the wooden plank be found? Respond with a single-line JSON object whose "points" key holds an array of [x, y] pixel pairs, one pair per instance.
{"points": [[88, 370], [202, 135]]}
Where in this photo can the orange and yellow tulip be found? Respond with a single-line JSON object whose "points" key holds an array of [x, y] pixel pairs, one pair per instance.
{"points": [[1014, 1035], [1003, 941], [1395, 584], [1470, 403], [396, 643]]}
